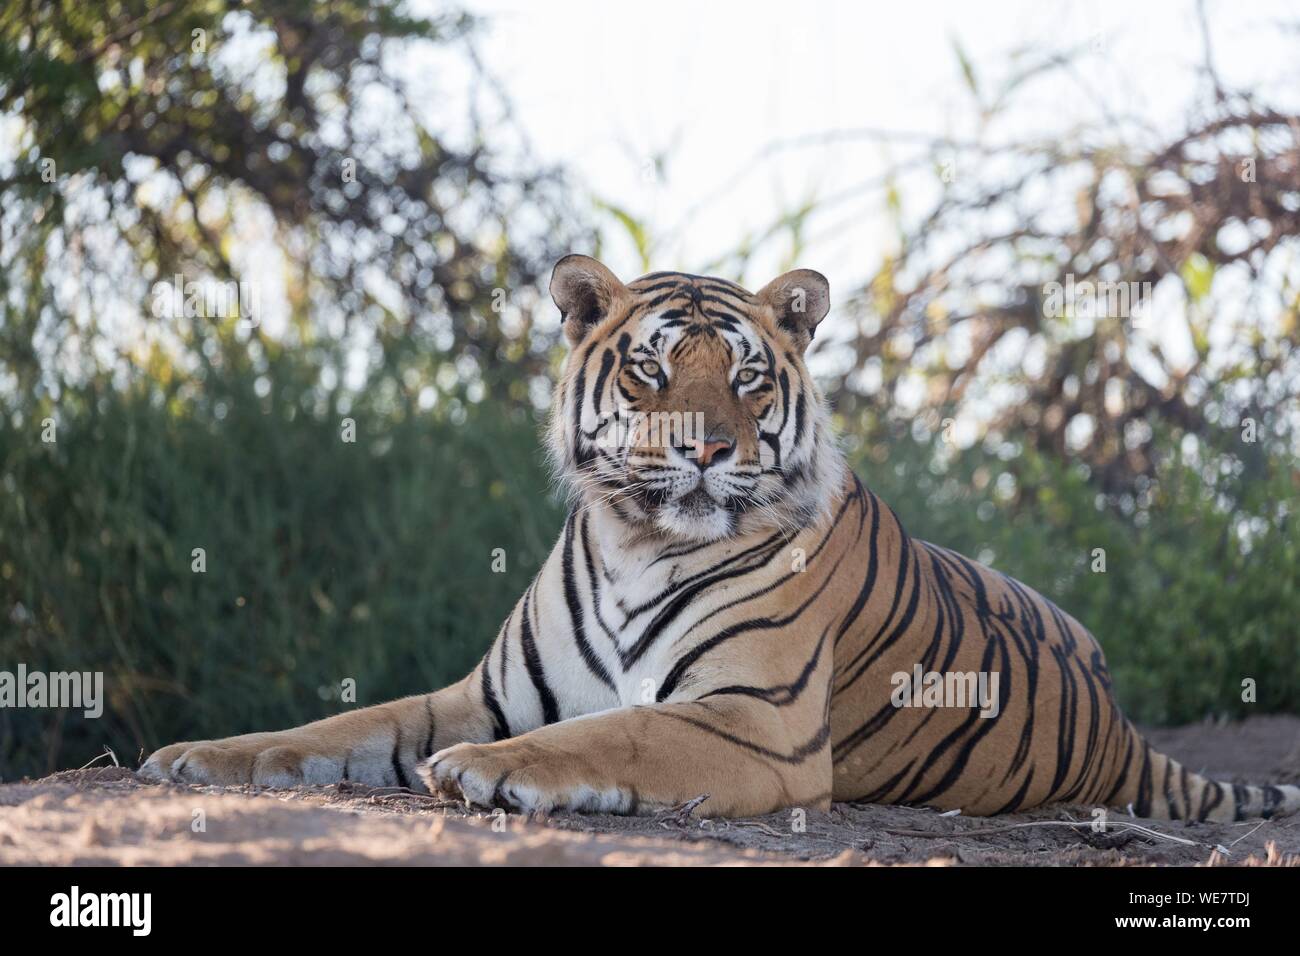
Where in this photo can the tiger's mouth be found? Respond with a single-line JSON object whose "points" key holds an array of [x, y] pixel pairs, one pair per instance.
{"points": [[697, 515], [699, 500], [688, 503]]}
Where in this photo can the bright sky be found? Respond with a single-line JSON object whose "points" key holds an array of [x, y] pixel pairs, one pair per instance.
{"points": [[606, 88]]}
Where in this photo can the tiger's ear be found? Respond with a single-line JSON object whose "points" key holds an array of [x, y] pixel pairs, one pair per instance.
{"points": [[799, 300], [584, 290]]}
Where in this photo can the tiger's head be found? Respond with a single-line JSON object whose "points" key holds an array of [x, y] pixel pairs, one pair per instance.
{"points": [[685, 406]]}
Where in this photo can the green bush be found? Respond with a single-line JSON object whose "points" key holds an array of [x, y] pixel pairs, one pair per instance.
{"points": [[325, 561]]}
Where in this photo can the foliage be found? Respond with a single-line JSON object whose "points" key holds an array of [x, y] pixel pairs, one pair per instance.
{"points": [[272, 143], [325, 560], [1079, 294]]}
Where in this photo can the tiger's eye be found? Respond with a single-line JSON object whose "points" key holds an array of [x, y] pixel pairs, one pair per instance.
{"points": [[650, 367], [746, 376]]}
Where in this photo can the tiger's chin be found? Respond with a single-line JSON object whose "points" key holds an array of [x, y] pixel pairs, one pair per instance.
{"points": [[697, 517]]}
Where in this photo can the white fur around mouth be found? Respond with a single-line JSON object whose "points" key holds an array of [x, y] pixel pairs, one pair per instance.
{"points": [[695, 515]]}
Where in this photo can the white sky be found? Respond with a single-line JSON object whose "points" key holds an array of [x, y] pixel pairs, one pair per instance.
{"points": [[604, 88]]}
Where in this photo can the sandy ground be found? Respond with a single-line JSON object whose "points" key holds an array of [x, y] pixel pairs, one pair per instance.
{"points": [[108, 816]]}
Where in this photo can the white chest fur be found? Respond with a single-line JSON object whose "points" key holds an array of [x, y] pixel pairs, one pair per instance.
{"points": [[648, 602]]}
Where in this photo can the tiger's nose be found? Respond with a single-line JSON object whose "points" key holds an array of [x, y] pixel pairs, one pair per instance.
{"points": [[706, 453]]}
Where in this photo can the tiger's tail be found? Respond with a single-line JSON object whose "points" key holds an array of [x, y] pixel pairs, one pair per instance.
{"points": [[1154, 785]]}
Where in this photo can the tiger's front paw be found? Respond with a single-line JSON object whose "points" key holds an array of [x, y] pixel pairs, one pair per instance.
{"points": [[506, 774], [263, 760]]}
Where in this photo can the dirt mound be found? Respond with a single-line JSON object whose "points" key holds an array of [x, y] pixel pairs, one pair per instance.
{"points": [[110, 816]]}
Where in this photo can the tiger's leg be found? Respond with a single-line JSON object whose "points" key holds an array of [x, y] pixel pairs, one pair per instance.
{"points": [[379, 746], [739, 751]]}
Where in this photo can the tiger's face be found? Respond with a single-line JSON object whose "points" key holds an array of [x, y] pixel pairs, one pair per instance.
{"points": [[685, 404]]}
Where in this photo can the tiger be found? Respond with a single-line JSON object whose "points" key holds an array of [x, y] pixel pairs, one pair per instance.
{"points": [[731, 621]]}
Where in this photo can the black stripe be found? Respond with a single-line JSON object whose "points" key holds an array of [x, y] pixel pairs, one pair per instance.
{"points": [[832, 526], [500, 726], [1122, 777], [402, 780], [809, 748], [778, 695], [606, 363], [683, 663], [1171, 807], [533, 662], [428, 708], [1240, 796], [760, 552], [504, 640], [1012, 805], [873, 569], [1065, 720], [574, 604], [1207, 807], [670, 612], [1143, 806]]}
